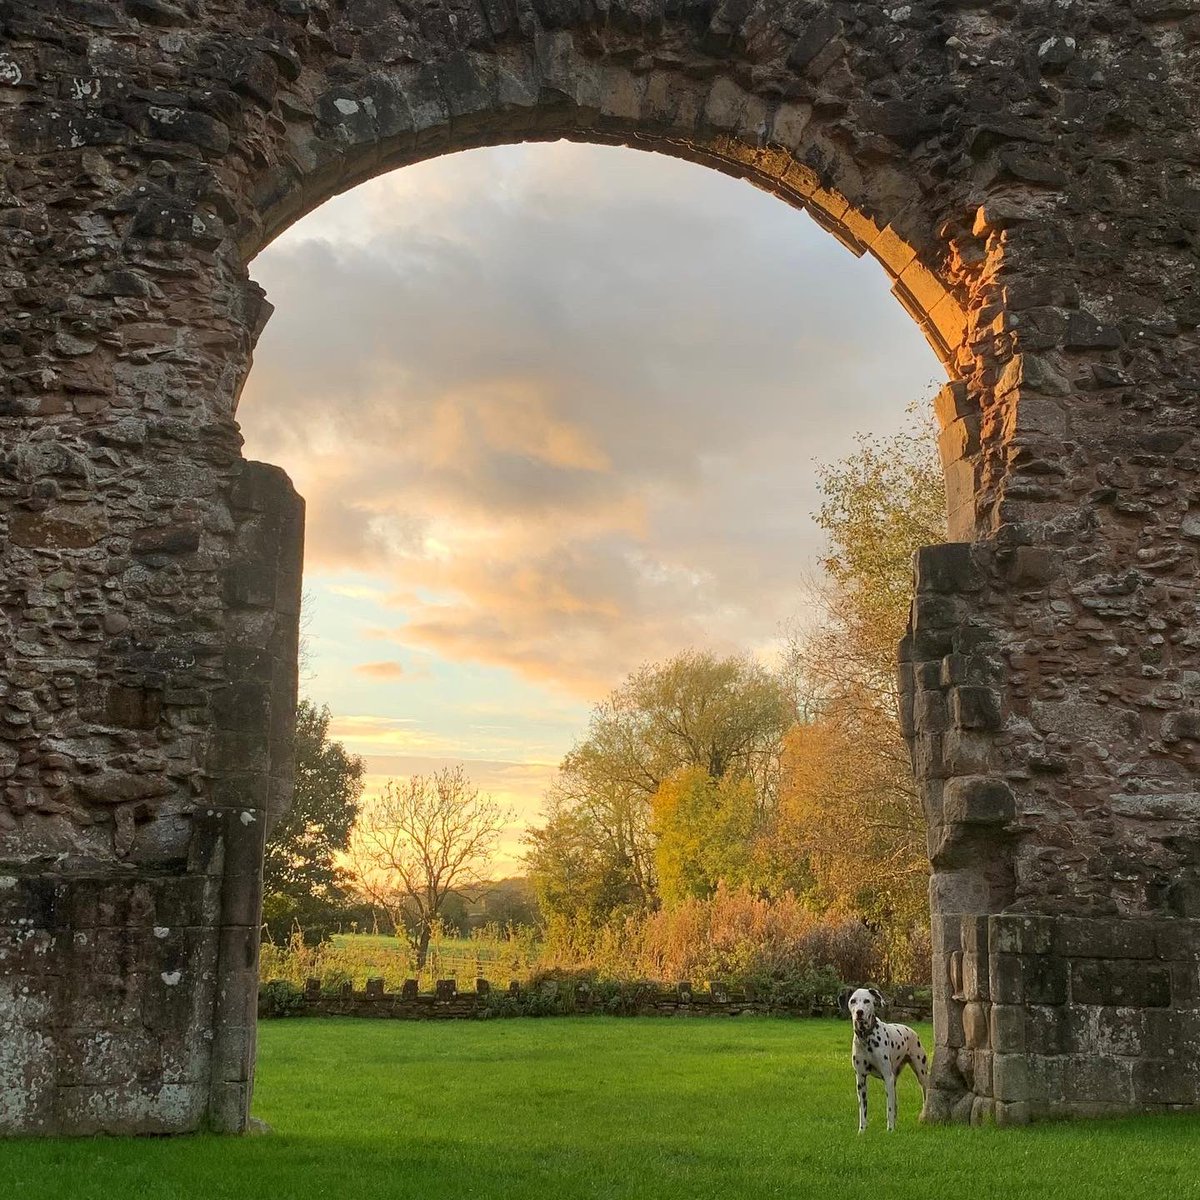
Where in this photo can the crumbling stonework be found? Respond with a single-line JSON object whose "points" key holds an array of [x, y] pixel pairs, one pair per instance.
{"points": [[1024, 170], [448, 1003]]}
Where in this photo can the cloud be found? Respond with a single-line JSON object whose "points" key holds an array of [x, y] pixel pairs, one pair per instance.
{"points": [[563, 402], [380, 670], [373, 736]]}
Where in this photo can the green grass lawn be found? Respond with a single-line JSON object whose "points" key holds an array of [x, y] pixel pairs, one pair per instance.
{"points": [[597, 1107], [453, 949]]}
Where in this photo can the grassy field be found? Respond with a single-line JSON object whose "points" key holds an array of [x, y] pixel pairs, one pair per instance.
{"points": [[357, 957], [598, 1108]]}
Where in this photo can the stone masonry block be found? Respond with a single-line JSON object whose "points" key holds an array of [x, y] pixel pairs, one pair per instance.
{"points": [[1007, 978], [1119, 983], [975, 983], [1007, 1027], [975, 1025], [1047, 1078], [974, 933], [952, 402], [1106, 1030], [948, 569], [976, 708], [950, 1032], [1107, 937], [1046, 1029], [1091, 1078], [1018, 933], [1165, 1081], [1045, 979], [1177, 939], [1010, 1077], [982, 1072], [228, 1106], [1185, 985], [932, 613], [978, 800], [958, 669], [1018, 1113], [929, 712]]}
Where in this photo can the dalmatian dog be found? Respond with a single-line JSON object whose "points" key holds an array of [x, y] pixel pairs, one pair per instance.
{"points": [[880, 1049]]}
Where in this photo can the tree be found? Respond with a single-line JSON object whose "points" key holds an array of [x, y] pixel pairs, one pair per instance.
{"points": [[849, 810], [421, 841], [724, 717], [879, 506], [302, 881], [706, 830], [507, 903], [590, 862]]}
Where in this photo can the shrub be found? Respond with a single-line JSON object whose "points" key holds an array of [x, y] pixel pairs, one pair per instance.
{"points": [[557, 992], [280, 998], [737, 936]]}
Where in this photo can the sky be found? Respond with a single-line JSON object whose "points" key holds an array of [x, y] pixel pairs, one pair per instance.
{"points": [[556, 411]]}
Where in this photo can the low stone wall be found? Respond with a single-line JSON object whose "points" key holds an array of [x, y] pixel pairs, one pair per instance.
{"points": [[447, 1002]]}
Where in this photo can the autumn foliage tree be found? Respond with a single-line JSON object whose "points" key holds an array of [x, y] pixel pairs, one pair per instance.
{"points": [[705, 831], [592, 857], [690, 738], [849, 809]]}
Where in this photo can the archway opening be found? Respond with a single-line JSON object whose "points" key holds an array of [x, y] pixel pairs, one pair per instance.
{"points": [[492, 373]]}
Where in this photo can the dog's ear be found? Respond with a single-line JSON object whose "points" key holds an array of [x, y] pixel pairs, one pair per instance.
{"points": [[879, 1000], [844, 1001]]}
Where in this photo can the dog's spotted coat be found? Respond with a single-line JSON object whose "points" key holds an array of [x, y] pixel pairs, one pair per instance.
{"points": [[881, 1049]]}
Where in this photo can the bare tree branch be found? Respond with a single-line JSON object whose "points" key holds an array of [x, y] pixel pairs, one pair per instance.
{"points": [[420, 841]]}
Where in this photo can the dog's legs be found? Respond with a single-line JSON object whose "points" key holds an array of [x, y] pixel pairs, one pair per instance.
{"points": [[889, 1083], [862, 1100], [920, 1066]]}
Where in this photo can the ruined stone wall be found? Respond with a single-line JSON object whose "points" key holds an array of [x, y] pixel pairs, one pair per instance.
{"points": [[550, 998], [1025, 172]]}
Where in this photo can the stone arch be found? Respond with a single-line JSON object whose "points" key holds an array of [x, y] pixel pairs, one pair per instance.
{"points": [[369, 129], [152, 575]]}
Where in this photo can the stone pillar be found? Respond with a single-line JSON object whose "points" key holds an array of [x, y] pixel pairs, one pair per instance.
{"points": [[251, 760], [1048, 999], [128, 988]]}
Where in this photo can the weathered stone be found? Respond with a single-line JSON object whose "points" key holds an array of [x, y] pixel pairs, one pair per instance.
{"points": [[947, 568], [167, 539], [47, 532], [976, 708], [1108, 982], [978, 800], [1033, 566], [133, 707], [1084, 332], [975, 1024], [1166, 1081], [118, 787]]}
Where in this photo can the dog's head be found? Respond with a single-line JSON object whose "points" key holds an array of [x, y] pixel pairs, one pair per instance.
{"points": [[863, 1005]]}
